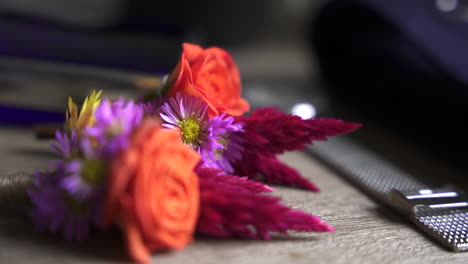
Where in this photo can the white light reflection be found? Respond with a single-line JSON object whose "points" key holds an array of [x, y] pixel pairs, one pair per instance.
{"points": [[304, 110], [449, 205], [432, 195], [425, 191], [447, 5]]}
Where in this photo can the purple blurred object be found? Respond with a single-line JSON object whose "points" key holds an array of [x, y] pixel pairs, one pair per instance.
{"points": [[122, 48]]}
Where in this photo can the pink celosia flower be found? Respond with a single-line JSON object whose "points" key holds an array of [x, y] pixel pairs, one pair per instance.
{"points": [[271, 170], [268, 132], [243, 183], [229, 209]]}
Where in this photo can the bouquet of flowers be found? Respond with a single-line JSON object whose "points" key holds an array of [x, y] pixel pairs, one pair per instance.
{"points": [[186, 162]]}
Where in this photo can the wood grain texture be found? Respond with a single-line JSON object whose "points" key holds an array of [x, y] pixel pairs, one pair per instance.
{"points": [[366, 232]]}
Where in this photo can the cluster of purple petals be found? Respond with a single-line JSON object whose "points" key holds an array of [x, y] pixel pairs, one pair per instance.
{"points": [[220, 145], [57, 211], [63, 200], [226, 143], [50, 211], [114, 122], [65, 145]]}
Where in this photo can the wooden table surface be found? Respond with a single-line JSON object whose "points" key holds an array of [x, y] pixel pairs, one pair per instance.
{"points": [[366, 232]]}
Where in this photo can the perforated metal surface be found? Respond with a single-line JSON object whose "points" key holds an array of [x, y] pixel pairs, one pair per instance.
{"points": [[378, 177], [450, 227], [364, 167]]}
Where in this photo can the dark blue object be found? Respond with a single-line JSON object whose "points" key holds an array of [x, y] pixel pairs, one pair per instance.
{"points": [[17, 116]]}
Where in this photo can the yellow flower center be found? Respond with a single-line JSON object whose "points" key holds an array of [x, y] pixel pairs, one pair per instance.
{"points": [[223, 141], [93, 172], [114, 129], [191, 131]]}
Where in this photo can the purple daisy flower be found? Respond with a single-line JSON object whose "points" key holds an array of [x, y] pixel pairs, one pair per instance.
{"points": [[54, 210], [189, 115], [66, 145], [82, 174], [228, 149], [215, 139], [82, 179], [115, 121]]}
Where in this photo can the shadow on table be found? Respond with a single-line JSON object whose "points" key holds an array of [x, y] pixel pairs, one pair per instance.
{"points": [[276, 238], [19, 241], [17, 234], [388, 214]]}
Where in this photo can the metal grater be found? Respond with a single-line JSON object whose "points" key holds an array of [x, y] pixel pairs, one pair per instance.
{"points": [[440, 212]]}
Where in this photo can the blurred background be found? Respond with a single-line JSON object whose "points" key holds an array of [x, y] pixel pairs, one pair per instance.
{"points": [[400, 66]]}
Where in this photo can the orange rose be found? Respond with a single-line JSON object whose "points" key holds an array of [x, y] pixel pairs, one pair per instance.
{"points": [[212, 75], [153, 192]]}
